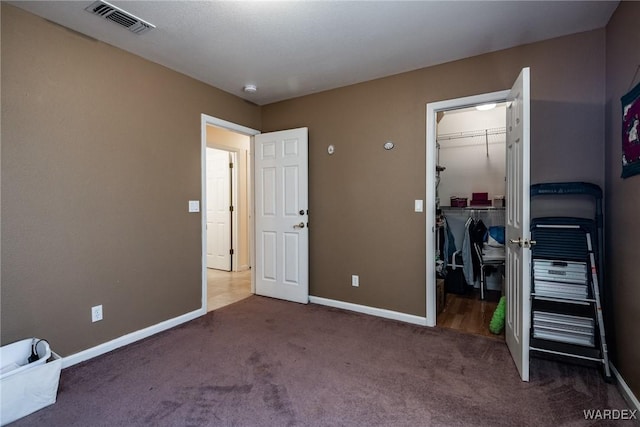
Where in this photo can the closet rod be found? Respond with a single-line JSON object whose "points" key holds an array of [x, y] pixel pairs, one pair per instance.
{"points": [[471, 134]]}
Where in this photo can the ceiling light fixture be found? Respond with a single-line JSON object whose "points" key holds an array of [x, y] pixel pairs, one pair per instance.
{"points": [[485, 107], [250, 88]]}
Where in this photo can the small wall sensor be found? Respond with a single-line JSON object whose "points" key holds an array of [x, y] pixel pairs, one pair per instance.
{"points": [[388, 145], [331, 149]]}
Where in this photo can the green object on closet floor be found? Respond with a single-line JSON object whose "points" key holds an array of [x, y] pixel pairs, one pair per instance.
{"points": [[497, 321]]}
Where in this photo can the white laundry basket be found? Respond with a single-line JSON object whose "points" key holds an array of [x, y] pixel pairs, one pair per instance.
{"points": [[27, 387]]}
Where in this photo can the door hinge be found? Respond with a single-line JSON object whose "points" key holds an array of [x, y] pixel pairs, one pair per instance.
{"points": [[230, 165], [230, 251], [230, 208]]}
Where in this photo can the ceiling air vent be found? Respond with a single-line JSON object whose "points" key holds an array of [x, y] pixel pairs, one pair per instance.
{"points": [[120, 17]]}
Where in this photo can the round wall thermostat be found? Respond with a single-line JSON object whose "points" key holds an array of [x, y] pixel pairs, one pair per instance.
{"points": [[331, 149], [388, 145]]}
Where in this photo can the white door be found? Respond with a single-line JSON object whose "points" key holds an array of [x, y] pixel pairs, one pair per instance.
{"points": [[218, 209], [518, 253], [281, 204]]}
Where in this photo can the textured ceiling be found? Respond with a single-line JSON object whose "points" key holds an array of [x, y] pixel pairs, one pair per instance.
{"points": [[289, 49]]}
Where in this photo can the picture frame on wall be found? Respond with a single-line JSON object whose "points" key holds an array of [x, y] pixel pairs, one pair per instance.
{"points": [[631, 132]]}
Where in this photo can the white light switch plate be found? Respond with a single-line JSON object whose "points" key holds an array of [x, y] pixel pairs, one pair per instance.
{"points": [[194, 205], [418, 206], [355, 280]]}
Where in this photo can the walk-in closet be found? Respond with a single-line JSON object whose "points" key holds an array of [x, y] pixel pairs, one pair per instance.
{"points": [[470, 189]]}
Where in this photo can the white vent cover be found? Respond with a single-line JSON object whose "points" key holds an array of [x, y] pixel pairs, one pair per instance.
{"points": [[120, 17]]}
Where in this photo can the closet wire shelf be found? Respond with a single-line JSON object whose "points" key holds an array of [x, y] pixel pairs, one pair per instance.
{"points": [[471, 134]]}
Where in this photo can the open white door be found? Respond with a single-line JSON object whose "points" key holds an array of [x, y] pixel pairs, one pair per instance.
{"points": [[518, 253], [281, 209], [218, 209]]}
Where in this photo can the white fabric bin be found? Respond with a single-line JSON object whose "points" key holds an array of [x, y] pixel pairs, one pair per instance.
{"points": [[27, 387], [14, 358]]}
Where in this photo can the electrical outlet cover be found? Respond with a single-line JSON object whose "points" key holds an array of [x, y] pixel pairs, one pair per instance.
{"points": [[96, 313]]}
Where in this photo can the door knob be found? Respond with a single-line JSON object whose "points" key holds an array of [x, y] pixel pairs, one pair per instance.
{"points": [[523, 243], [517, 241], [298, 226]]}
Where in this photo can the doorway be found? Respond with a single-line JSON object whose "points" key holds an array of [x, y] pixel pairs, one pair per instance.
{"points": [[435, 110], [227, 220], [470, 189], [277, 215], [517, 232]]}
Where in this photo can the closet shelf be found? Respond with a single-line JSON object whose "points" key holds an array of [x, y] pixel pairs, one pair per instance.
{"points": [[471, 134]]}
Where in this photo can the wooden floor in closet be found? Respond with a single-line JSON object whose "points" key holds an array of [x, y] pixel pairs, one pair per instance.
{"points": [[468, 313]]}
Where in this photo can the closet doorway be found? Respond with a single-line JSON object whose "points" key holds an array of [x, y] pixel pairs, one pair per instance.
{"points": [[517, 233], [470, 220]]}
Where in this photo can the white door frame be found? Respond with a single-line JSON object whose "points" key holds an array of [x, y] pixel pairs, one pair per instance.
{"points": [[432, 109], [214, 121]]}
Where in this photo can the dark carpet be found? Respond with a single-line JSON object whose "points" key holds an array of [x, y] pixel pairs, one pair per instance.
{"points": [[265, 362]]}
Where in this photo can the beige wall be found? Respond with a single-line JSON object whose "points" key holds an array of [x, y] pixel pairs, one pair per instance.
{"points": [[232, 141], [101, 151], [100, 155], [623, 197], [361, 198]]}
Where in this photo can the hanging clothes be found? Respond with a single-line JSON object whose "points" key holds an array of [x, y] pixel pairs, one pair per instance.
{"points": [[477, 233], [449, 247], [467, 259]]}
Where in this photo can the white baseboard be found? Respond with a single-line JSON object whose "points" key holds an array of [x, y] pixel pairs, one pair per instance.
{"points": [[626, 392], [373, 311], [130, 338]]}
